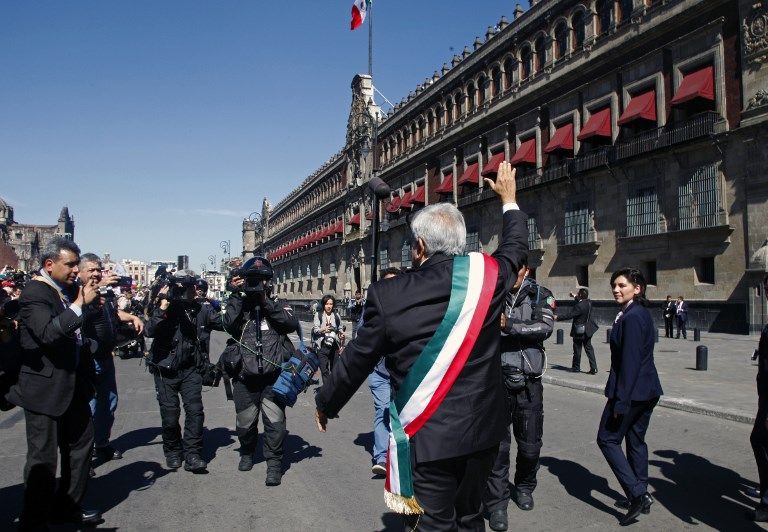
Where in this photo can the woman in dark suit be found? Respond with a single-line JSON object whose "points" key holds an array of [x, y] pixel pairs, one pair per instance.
{"points": [[633, 389]]}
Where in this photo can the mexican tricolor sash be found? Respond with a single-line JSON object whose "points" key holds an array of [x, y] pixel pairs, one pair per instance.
{"points": [[435, 370]]}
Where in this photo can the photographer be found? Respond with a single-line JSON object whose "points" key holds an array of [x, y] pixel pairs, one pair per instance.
{"points": [[327, 334], [526, 322], [260, 328], [177, 360], [101, 320]]}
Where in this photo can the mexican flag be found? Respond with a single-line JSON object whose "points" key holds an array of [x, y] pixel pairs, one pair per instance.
{"points": [[359, 9]]}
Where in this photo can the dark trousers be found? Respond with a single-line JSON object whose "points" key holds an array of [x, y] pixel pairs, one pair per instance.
{"points": [[759, 441], [252, 400], [631, 469], [187, 383], [585, 341], [71, 434], [681, 327], [668, 326], [527, 408], [451, 491], [327, 358]]}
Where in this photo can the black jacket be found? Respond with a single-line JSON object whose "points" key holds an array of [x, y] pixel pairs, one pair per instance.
{"points": [[278, 322], [762, 364], [401, 315], [633, 375], [176, 343], [529, 322], [51, 364], [581, 314]]}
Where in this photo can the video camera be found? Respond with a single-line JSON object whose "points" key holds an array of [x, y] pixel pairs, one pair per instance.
{"points": [[124, 282], [257, 272], [178, 286]]}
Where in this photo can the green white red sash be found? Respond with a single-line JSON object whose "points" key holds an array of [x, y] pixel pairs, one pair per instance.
{"points": [[435, 370]]}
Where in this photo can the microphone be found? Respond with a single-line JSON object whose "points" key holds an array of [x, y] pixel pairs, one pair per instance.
{"points": [[379, 188]]}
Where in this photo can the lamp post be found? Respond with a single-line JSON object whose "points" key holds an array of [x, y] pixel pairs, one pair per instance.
{"points": [[202, 269], [212, 260], [226, 247]]}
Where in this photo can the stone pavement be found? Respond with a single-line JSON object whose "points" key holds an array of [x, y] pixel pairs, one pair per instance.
{"points": [[726, 390]]}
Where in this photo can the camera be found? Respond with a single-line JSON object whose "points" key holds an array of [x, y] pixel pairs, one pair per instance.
{"points": [[211, 375], [256, 272]]}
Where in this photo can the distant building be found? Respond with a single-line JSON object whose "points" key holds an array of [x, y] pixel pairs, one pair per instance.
{"points": [[216, 283], [137, 270], [182, 262], [24, 241]]}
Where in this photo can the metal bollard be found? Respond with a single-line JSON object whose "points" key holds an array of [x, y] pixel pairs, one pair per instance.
{"points": [[560, 336], [697, 335], [656, 335], [608, 335], [701, 357]]}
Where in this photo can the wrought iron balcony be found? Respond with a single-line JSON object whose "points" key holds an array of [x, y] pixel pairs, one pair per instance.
{"points": [[699, 126]]}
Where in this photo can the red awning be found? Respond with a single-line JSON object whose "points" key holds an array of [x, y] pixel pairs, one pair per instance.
{"points": [[470, 176], [562, 139], [418, 197], [640, 106], [446, 187], [355, 220], [493, 164], [598, 125], [526, 153], [394, 205], [407, 202], [697, 84], [338, 227]]}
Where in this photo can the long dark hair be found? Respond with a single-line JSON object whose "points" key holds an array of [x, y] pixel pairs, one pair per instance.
{"points": [[325, 300], [634, 276]]}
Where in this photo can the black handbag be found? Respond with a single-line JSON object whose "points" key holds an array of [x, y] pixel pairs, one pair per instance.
{"points": [[580, 331]]}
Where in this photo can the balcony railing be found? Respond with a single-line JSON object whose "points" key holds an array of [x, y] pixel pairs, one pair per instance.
{"points": [[648, 141], [592, 159], [556, 171]]}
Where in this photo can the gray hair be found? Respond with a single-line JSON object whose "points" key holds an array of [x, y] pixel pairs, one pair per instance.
{"points": [[441, 226], [89, 257], [53, 249]]}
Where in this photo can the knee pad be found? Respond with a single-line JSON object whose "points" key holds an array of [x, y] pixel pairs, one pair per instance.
{"points": [[528, 451], [194, 408], [170, 416]]}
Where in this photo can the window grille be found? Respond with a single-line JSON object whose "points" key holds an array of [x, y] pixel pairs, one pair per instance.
{"points": [[643, 212], [533, 233], [576, 226], [699, 199], [473, 241], [405, 255], [384, 259]]}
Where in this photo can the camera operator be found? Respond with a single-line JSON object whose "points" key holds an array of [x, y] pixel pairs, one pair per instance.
{"points": [[177, 361], [327, 334], [101, 320], [526, 322], [254, 319]]}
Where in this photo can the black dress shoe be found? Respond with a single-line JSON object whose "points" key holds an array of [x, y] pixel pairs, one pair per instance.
{"points": [[173, 462], [636, 505], [575, 370], [592, 372], [77, 516], [760, 514], [624, 504], [105, 454], [497, 520], [524, 500], [195, 464]]}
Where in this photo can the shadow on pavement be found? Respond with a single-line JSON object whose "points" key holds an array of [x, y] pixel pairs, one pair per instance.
{"points": [[580, 483], [137, 438], [109, 490], [214, 439], [392, 522], [560, 367], [365, 440], [295, 449], [697, 491], [11, 505]]}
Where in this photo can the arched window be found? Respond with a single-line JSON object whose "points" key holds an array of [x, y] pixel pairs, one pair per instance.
{"points": [[414, 135], [526, 62], [430, 123], [422, 129], [540, 52], [509, 67], [577, 23], [439, 115], [495, 82], [471, 97], [482, 84], [561, 40], [399, 144], [604, 16], [625, 6], [458, 104], [449, 112], [407, 140]]}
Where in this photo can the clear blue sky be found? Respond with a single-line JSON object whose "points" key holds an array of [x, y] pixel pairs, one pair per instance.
{"points": [[161, 124]]}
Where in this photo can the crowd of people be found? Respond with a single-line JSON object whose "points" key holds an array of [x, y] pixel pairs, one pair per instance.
{"points": [[452, 350]]}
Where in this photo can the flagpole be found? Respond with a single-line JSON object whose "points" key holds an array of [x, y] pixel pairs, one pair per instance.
{"points": [[370, 41]]}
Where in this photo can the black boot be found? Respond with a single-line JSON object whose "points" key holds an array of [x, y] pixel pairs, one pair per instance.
{"points": [[274, 476], [524, 500], [498, 520], [246, 462], [195, 464]]}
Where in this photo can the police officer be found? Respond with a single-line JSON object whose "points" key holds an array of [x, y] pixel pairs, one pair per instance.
{"points": [[252, 317], [177, 360], [526, 322]]}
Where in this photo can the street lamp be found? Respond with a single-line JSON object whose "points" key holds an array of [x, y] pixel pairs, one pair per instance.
{"points": [[258, 226], [202, 269], [225, 247], [212, 260]]}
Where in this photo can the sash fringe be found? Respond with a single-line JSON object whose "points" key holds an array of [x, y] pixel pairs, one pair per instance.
{"points": [[402, 505]]}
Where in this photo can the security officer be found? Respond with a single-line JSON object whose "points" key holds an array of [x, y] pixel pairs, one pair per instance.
{"points": [[176, 361], [252, 317], [526, 322]]}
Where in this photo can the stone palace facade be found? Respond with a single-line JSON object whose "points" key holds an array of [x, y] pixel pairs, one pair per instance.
{"points": [[637, 128]]}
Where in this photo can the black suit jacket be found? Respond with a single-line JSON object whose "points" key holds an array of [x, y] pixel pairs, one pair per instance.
{"points": [[581, 314], [401, 315], [49, 361], [633, 375]]}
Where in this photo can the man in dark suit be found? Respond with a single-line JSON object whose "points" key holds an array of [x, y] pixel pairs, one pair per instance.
{"points": [[669, 317], [681, 312], [54, 389], [583, 328], [453, 452]]}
